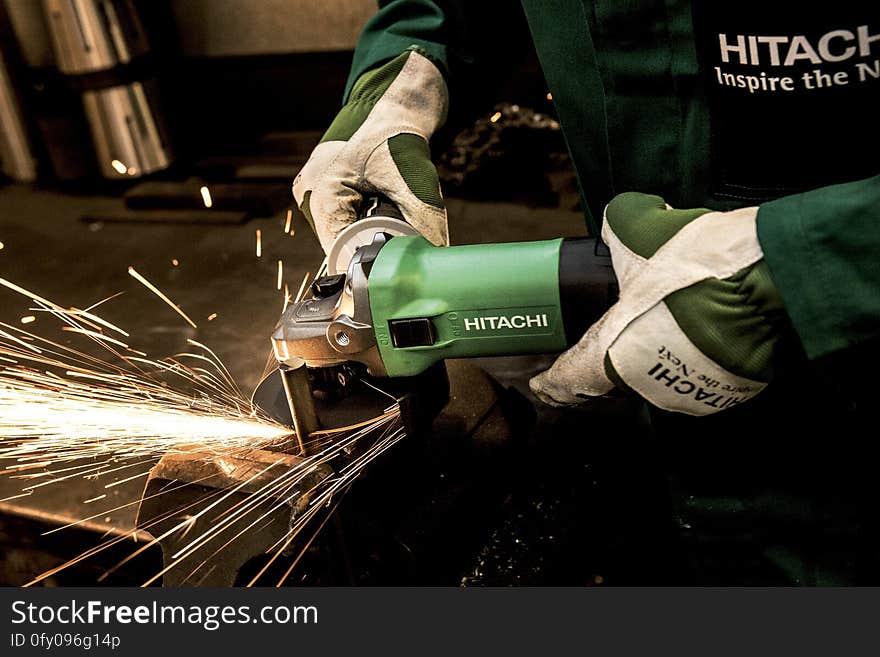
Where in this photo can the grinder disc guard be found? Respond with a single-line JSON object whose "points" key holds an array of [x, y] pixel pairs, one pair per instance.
{"points": [[361, 233]]}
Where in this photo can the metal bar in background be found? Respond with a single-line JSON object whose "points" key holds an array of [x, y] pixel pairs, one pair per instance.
{"points": [[16, 155], [16, 158], [96, 43]]}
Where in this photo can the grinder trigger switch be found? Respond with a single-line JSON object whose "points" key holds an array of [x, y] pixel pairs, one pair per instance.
{"points": [[412, 332]]}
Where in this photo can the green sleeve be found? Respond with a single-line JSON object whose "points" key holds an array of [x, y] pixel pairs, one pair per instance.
{"points": [[467, 39], [823, 250], [398, 25]]}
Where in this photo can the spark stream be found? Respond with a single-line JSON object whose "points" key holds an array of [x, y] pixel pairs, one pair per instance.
{"points": [[58, 403], [67, 413]]}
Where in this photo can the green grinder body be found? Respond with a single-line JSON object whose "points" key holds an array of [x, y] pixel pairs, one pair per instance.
{"points": [[429, 303]]}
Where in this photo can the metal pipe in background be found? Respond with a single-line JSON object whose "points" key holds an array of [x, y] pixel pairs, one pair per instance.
{"points": [[126, 130], [16, 158], [94, 35], [99, 45]]}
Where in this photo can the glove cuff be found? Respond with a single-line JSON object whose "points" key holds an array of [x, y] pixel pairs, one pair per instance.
{"points": [[410, 85]]}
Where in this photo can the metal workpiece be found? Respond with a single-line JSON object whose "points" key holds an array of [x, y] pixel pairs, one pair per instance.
{"points": [[185, 483]]}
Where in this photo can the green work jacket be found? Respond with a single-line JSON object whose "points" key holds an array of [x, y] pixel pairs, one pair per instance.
{"points": [[723, 104], [708, 104]]}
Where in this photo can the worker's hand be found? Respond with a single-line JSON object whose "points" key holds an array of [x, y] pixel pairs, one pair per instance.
{"points": [[698, 318], [378, 143]]}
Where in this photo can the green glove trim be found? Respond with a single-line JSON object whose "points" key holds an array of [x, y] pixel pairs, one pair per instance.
{"points": [[412, 156], [366, 92], [613, 376], [643, 223], [306, 210], [734, 321]]}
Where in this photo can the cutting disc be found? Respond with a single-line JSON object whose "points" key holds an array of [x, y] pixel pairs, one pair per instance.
{"points": [[269, 397], [360, 402], [359, 234]]}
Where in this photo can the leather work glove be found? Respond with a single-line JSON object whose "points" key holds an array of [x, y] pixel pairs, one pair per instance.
{"points": [[698, 318], [378, 143]]}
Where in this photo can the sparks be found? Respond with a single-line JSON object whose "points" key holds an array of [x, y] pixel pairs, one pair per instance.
{"points": [[302, 287], [17, 288], [212, 317], [27, 319], [494, 118], [287, 222], [206, 196], [67, 414], [175, 262], [119, 166], [58, 404], [280, 274], [62, 419], [152, 288], [259, 243]]}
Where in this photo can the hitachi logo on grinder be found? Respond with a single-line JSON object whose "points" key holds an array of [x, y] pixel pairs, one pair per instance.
{"points": [[503, 321]]}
